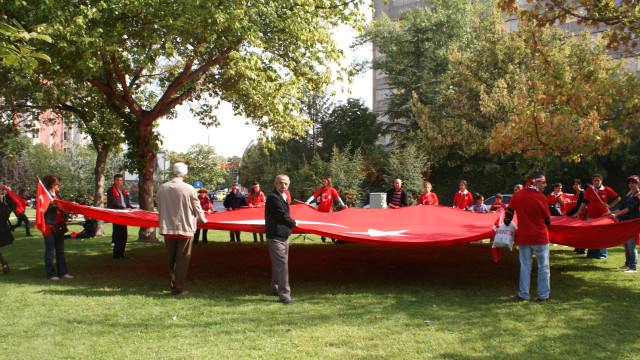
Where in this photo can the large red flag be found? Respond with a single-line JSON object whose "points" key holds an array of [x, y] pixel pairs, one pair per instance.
{"points": [[21, 204], [42, 203]]}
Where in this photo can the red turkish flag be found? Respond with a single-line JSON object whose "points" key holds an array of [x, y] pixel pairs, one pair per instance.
{"points": [[21, 204], [42, 204]]}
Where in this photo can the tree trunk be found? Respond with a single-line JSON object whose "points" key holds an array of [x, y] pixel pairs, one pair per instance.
{"points": [[145, 184], [101, 162]]}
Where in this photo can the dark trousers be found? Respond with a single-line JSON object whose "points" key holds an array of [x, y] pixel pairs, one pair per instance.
{"points": [[22, 218], [179, 251], [119, 239], [255, 238], [196, 236], [234, 235], [51, 243]]}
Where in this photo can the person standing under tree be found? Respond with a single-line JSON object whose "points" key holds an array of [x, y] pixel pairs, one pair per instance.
{"points": [[532, 235], [235, 200], [463, 197], [630, 211], [595, 200], [178, 211], [117, 198], [325, 196], [256, 199], [397, 196], [207, 207], [278, 224]]}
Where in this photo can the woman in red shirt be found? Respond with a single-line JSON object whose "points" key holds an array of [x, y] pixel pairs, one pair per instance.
{"points": [[595, 200], [54, 215], [556, 200], [256, 199], [428, 198], [207, 207]]}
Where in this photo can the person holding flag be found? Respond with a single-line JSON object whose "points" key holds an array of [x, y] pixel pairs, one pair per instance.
{"points": [[117, 198], [49, 215], [6, 238], [18, 205]]}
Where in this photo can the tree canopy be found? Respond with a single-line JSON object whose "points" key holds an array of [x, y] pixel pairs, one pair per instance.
{"points": [[147, 56], [620, 19]]}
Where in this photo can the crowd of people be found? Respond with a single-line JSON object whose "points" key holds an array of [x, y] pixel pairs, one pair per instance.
{"points": [[180, 208]]}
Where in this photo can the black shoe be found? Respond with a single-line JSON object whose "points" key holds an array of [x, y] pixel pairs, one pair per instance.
{"points": [[517, 298], [542, 300], [288, 302], [205, 241]]}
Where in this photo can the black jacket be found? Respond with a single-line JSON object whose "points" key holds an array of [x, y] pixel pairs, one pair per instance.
{"points": [[277, 221], [114, 202], [403, 197]]}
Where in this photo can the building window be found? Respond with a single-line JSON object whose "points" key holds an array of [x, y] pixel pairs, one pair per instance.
{"points": [[382, 94], [65, 135], [380, 74]]}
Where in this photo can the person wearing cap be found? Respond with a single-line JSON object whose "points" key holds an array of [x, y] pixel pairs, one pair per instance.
{"points": [[256, 199], [630, 211], [207, 207], [178, 211], [233, 201], [595, 200], [532, 236]]}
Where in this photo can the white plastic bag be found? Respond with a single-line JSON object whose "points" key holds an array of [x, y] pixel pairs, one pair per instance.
{"points": [[504, 236]]}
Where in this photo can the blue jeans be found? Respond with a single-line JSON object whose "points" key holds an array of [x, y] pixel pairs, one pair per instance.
{"points": [[631, 254], [526, 253], [597, 253], [51, 243]]}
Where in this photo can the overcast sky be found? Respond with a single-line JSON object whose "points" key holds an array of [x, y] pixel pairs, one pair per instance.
{"points": [[233, 135]]}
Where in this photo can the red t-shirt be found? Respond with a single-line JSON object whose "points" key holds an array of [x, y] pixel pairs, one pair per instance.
{"points": [[596, 209], [461, 201], [324, 199], [497, 207], [256, 200], [430, 199], [560, 200], [532, 209]]}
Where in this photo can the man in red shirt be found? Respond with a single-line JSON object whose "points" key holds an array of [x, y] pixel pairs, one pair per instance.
{"points": [[595, 200], [532, 236]]}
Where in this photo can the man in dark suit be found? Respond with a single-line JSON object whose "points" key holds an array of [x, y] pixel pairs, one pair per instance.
{"points": [[278, 224], [117, 198]]}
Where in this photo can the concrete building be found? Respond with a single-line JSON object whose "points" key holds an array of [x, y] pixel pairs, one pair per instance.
{"points": [[393, 9]]}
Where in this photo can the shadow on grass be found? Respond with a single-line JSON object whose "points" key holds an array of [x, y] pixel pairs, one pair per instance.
{"points": [[449, 289]]}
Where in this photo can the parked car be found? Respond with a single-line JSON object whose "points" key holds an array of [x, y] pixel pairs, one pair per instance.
{"points": [[505, 199]]}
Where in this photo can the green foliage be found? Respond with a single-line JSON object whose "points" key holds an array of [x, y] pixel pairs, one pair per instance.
{"points": [[75, 167], [15, 51], [346, 172], [350, 125], [415, 55], [438, 303], [620, 20], [407, 164], [203, 163]]}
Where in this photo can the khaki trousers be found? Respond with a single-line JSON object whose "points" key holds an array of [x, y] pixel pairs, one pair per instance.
{"points": [[279, 253], [179, 251]]}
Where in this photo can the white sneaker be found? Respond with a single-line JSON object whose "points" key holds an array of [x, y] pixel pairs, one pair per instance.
{"points": [[623, 267], [630, 271]]}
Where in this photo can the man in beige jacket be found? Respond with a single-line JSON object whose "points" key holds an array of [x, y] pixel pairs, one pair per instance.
{"points": [[178, 211]]}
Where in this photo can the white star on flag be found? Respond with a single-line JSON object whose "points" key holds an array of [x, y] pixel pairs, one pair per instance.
{"points": [[377, 233]]}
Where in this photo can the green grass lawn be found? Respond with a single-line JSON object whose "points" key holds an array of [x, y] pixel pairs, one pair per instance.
{"points": [[352, 302]]}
